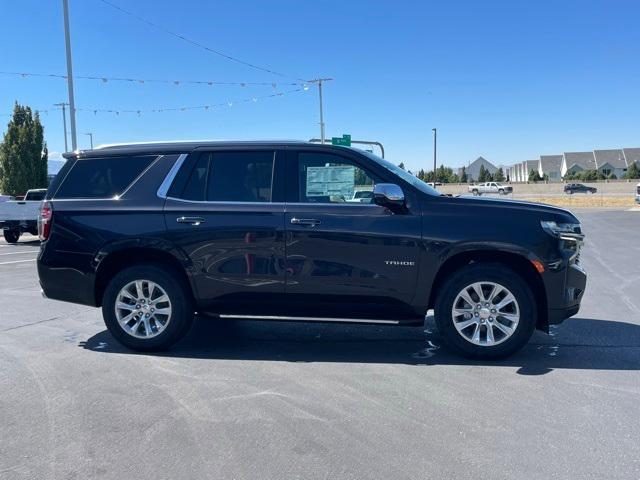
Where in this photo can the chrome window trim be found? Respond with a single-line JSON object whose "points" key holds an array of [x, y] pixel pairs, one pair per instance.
{"points": [[168, 180]]}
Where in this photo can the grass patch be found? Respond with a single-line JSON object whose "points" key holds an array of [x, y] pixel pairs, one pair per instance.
{"points": [[585, 201]]}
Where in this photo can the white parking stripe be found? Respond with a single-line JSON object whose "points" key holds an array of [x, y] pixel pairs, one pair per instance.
{"points": [[19, 261], [24, 252]]}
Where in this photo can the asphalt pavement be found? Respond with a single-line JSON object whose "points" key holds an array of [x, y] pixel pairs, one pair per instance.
{"points": [[275, 400]]}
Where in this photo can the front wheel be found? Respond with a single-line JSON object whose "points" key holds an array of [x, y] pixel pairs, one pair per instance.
{"points": [[12, 236], [501, 191], [485, 311], [145, 308]]}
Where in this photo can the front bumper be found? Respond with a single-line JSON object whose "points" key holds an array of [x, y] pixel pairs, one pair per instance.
{"points": [[564, 293]]}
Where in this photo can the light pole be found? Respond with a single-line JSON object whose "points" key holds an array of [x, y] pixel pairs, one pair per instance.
{"points": [[319, 82], [90, 138], [72, 105], [435, 139], [64, 122]]}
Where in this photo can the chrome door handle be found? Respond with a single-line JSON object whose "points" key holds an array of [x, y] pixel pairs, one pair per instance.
{"points": [[192, 220], [309, 222]]}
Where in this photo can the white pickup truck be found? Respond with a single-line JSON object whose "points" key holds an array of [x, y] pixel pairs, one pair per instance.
{"points": [[19, 216], [490, 187]]}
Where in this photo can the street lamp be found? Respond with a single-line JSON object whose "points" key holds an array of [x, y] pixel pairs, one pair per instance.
{"points": [[435, 138], [90, 134]]}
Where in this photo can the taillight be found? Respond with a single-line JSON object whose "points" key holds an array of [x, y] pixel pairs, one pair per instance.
{"points": [[44, 221]]}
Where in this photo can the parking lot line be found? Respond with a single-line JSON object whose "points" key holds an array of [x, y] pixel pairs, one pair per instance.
{"points": [[19, 261], [23, 252]]}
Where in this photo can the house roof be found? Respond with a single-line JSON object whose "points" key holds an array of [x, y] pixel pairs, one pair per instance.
{"points": [[482, 161], [631, 155], [550, 163], [529, 165], [615, 158], [584, 160]]}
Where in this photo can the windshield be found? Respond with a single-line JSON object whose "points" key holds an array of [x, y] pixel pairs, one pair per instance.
{"points": [[406, 176]]}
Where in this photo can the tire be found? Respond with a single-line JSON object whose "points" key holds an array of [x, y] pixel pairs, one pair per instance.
{"points": [[501, 191], [11, 236], [475, 192], [168, 328], [504, 344]]}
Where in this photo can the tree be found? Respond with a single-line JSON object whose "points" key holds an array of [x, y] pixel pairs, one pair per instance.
{"points": [[401, 165], [463, 176], [633, 171], [484, 175], [499, 175], [23, 156], [534, 176]]}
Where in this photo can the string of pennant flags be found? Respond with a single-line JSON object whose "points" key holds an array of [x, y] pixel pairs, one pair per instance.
{"points": [[139, 112], [142, 81]]}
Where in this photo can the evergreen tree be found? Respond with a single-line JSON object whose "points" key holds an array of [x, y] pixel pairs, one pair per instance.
{"points": [[23, 158], [499, 175], [401, 165], [463, 176], [484, 175], [633, 171], [534, 176]]}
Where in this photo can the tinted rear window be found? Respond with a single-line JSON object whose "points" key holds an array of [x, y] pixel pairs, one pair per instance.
{"points": [[102, 177]]}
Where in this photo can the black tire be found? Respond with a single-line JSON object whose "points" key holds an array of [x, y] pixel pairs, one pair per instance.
{"points": [[11, 236], [501, 191], [181, 315], [485, 272], [475, 192]]}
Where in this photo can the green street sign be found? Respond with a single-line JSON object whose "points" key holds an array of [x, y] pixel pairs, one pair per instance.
{"points": [[344, 141]]}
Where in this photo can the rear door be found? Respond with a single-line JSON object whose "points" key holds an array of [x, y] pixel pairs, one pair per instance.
{"points": [[225, 210], [340, 252]]}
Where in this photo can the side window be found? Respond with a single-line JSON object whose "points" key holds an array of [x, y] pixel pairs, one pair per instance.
{"points": [[226, 177], [328, 178], [104, 177], [196, 183], [240, 176]]}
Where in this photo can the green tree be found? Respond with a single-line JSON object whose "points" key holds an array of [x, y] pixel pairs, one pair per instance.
{"points": [[463, 175], [499, 175], [401, 165], [23, 155], [633, 171], [484, 175], [534, 176]]}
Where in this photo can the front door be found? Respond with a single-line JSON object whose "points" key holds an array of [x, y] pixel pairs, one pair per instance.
{"points": [[223, 212], [344, 253]]}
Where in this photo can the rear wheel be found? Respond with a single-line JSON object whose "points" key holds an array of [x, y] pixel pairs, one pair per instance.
{"points": [[11, 236], [146, 309], [485, 311], [475, 192]]}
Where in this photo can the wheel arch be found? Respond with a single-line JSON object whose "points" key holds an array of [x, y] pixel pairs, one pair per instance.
{"points": [[110, 262], [516, 262]]}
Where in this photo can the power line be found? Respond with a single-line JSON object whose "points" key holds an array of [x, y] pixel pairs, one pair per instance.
{"points": [[142, 81], [195, 43]]}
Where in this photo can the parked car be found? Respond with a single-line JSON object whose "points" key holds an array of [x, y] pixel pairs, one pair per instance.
{"points": [[362, 196], [154, 233], [572, 188], [638, 193], [490, 187], [19, 216]]}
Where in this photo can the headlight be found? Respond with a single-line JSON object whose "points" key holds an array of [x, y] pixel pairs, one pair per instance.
{"points": [[560, 229]]}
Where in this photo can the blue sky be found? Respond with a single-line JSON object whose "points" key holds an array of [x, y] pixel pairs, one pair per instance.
{"points": [[508, 80]]}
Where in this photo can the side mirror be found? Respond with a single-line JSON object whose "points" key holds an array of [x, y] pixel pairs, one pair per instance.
{"points": [[388, 195]]}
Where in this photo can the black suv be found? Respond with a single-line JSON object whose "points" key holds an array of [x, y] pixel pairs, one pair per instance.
{"points": [[155, 233]]}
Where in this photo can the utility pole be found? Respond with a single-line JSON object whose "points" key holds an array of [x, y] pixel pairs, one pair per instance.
{"points": [[90, 138], [435, 139], [64, 122], [72, 105], [319, 82]]}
